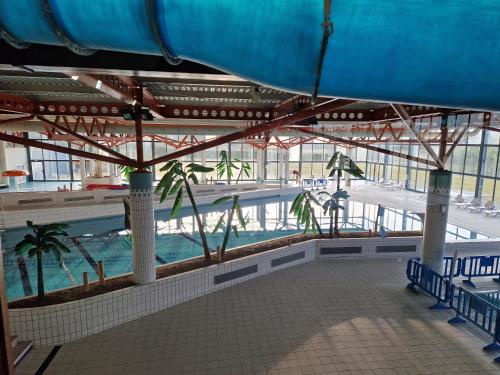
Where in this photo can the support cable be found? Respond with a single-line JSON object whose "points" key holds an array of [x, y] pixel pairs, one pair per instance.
{"points": [[62, 35], [327, 31], [167, 53], [5, 35]]}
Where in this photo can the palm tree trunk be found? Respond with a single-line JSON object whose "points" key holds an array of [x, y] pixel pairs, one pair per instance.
{"points": [[206, 249], [314, 218], [228, 226], [41, 287], [239, 175], [337, 211], [331, 225]]}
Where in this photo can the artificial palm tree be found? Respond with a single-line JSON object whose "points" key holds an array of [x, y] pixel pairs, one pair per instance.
{"points": [[226, 166], [331, 205], [302, 208], [126, 171], [177, 179], [43, 240], [340, 164], [235, 208]]}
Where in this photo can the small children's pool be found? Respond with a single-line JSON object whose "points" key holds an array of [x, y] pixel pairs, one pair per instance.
{"points": [[178, 239]]}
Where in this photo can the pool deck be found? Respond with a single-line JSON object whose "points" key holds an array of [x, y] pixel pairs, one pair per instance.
{"points": [[409, 200], [348, 317]]}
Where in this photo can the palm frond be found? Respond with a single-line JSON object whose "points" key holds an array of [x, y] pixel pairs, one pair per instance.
{"points": [[221, 200], [177, 204]]}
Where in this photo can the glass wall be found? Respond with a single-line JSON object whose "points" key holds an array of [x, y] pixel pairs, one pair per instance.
{"points": [[475, 161]]}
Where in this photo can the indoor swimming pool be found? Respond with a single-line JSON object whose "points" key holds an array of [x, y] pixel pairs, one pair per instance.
{"points": [[178, 239]]}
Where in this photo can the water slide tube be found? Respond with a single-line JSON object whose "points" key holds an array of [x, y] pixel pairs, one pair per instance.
{"points": [[428, 52]]}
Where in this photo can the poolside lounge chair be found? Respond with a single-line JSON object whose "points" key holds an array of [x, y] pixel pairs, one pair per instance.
{"points": [[492, 211], [487, 206], [464, 204], [474, 203], [397, 187], [388, 184], [459, 199]]}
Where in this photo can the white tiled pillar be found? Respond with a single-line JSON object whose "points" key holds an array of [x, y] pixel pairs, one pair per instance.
{"points": [[436, 219], [261, 160], [203, 160], [347, 176], [3, 164], [143, 229], [286, 165]]}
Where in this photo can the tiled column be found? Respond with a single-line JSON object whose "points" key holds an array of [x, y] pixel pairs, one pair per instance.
{"points": [[143, 229], [3, 163], [436, 219], [347, 176], [260, 166], [286, 164]]}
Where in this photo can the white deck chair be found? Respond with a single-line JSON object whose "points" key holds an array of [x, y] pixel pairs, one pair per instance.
{"points": [[458, 199], [487, 206], [388, 185], [492, 211], [475, 203]]}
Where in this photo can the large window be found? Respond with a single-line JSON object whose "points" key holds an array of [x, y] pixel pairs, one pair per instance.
{"points": [[50, 165], [475, 162]]}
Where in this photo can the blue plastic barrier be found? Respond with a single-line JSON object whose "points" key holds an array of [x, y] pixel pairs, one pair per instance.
{"points": [[480, 266], [477, 311], [429, 281], [448, 262]]}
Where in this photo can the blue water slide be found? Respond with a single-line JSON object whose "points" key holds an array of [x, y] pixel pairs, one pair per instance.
{"points": [[438, 53]]}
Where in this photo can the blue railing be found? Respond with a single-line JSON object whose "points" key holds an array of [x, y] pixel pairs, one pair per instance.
{"points": [[480, 266], [429, 281], [468, 307], [478, 311], [448, 264]]}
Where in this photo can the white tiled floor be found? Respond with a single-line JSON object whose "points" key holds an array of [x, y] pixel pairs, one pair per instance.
{"points": [[348, 317]]}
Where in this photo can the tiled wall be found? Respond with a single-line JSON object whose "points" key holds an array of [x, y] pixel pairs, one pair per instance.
{"points": [[368, 247], [77, 210], [66, 322], [70, 321]]}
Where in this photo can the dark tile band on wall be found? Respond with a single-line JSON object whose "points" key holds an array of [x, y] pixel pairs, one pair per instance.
{"points": [[288, 258], [340, 250], [397, 249], [228, 276]]}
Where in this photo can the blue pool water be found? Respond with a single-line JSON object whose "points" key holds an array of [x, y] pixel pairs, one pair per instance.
{"points": [[177, 239]]}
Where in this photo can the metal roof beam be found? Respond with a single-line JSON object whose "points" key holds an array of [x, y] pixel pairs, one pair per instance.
{"points": [[262, 128]]}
